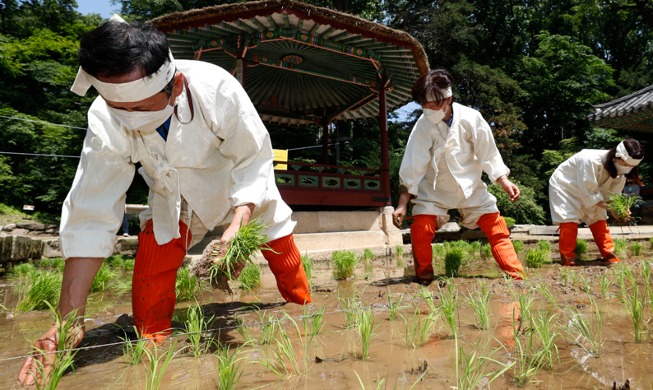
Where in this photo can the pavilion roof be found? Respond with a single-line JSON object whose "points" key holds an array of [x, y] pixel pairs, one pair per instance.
{"points": [[303, 64], [631, 112]]}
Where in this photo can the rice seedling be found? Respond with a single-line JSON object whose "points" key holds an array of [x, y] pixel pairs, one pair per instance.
{"points": [[250, 277], [479, 299], [394, 305], [365, 325], [244, 331], [438, 251], [61, 361], [546, 292], [581, 249], [229, 368], [196, 326], [449, 299], [525, 311], [650, 241], [269, 327], [472, 368], [587, 335], [313, 322], [584, 282], [646, 277], [38, 290], [368, 255], [535, 258], [636, 248], [158, 364], [23, 269], [528, 361], [518, 245], [428, 298], [486, 251], [545, 246], [453, 261], [545, 329], [344, 264], [56, 263], [380, 383], [240, 250], [635, 307], [399, 250], [620, 246], [349, 306], [103, 278], [134, 350], [418, 328], [620, 204], [307, 263], [186, 285], [283, 360], [605, 282], [566, 275]]}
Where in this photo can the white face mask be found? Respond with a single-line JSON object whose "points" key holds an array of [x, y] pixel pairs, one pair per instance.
{"points": [[142, 120], [622, 169], [434, 116]]}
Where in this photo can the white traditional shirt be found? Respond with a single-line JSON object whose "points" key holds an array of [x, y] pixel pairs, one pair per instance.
{"points": [[220, 159], [466, 148], [578, 184]]}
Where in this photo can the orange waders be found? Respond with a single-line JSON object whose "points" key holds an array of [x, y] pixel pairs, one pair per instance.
{"points": [[567, 243], [603, 240], [422, 231], [498, 235], [153, 283], [285, 263]]}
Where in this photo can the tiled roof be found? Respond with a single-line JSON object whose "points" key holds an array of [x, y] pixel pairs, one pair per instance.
{"points": [[631, 112]]}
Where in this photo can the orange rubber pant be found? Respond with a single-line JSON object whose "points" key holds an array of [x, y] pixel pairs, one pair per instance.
{"points": [[603, 240], [498, 235], [154, 280], [285, 263], [422, 231], [567, 242]]}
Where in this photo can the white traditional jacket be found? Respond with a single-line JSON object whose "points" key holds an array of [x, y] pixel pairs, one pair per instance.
{"points": [[220, 159], [467, 148], [578, 184]]}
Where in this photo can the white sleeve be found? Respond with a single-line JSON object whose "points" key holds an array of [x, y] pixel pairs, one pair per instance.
{"points": [[417, 157], [95, 205], [486, 150]]}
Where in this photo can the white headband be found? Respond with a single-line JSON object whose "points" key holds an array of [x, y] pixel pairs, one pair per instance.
{"points": [[132, 91], [430, 97], [622, 153]]}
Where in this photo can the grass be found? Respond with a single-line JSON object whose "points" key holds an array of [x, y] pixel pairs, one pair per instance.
{"points": [[250, 277], [186, 285], [344, 264], [240, 250]]}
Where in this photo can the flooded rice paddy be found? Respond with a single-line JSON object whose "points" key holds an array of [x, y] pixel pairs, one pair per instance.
{"points": [[586, 327]]}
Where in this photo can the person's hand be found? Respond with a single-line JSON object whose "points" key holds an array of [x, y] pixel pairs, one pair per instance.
{"points": [[509, 188], [398, 216], [37, 368]]}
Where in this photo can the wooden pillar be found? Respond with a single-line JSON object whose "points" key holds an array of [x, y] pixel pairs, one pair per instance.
{"points": [[385, 157]]}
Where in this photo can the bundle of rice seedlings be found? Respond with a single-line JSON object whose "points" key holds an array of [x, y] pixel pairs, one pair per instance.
{"points": [[620, 204], [225, 261]]}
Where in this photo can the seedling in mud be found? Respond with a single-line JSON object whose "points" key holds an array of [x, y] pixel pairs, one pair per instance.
{"points": [[159, 360], [528, 361], [536, 258], [394, 305], [581, 249], [587, 333], [546, 331], [368, 255], [186, 285], [134, 350], [620, 246], [344, 264], [635, 307], [281, 357], [365, 325], [349, 306], [233, 256], [418, 328], [449, 299], [196, 325], [307, 262], [473, 368], [399, 251], [229, 368], [453, 260], [518, 245], [545, 246], [479, 299], [486, 251], [313, 321], [620, 204], [250, 277], [605, 282], [38, 290], [244, 331], [60, 360], [269, 327], [636, 248]]}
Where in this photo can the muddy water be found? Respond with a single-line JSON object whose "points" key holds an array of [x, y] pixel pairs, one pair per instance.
{"points": [[332, 359]]}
